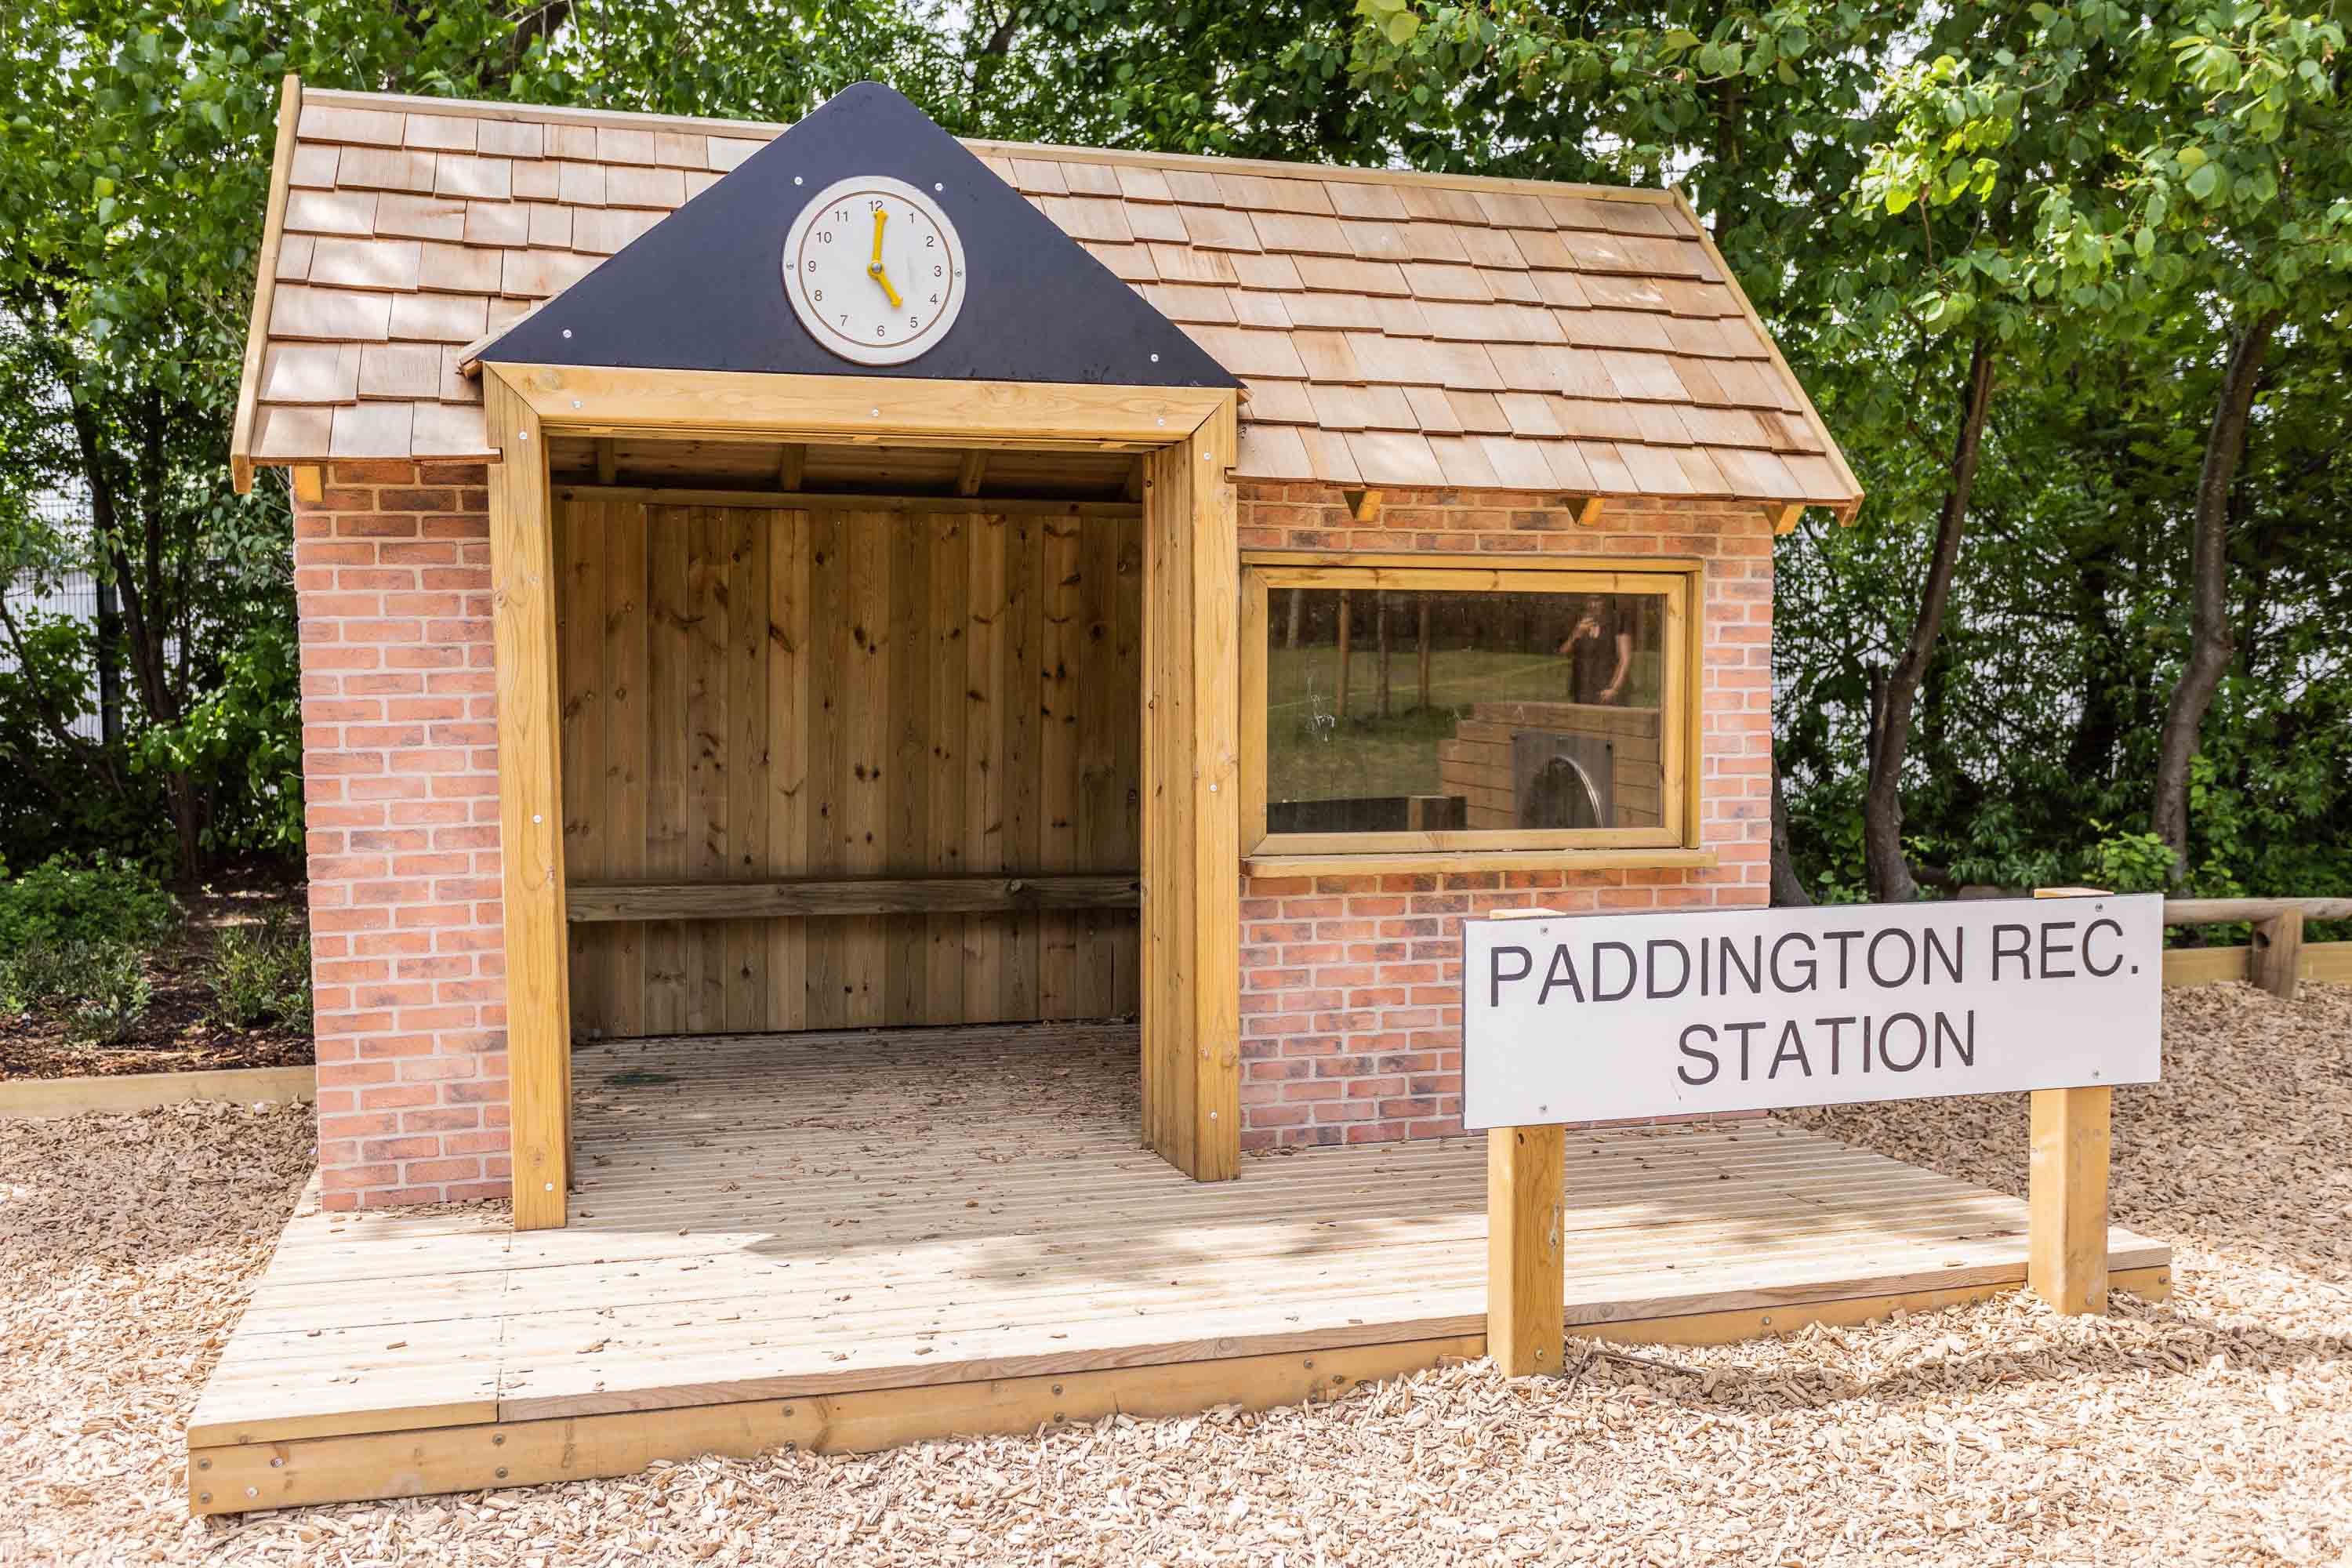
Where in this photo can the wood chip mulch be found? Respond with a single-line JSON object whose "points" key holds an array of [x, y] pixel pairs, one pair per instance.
{"points": [[2216, 1428]]}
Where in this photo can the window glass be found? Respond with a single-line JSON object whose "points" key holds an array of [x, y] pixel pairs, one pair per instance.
{"points": [[1394, 711]]}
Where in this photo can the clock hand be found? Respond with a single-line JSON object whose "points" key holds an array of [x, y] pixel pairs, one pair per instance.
{"points": [[874, 267]]}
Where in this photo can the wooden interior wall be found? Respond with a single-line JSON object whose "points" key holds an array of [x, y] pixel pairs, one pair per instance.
{"points": [[755, 694]]}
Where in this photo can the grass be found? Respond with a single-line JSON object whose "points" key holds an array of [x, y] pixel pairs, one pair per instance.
{"points": [[1312, 753]]}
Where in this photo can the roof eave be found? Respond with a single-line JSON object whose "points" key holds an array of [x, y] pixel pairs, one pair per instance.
{"points": [[265, 287]]}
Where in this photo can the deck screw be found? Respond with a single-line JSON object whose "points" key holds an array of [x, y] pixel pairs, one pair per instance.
{"points": [[788, 1410], [204, 1464], [497, 1439], [253, 1491], [1310, 1363], [1767, 1322], [1539, 1352], [203, 1497], [1057, 1388], [567, 332], [796, 179], [278, 1464], [502, 1472]]}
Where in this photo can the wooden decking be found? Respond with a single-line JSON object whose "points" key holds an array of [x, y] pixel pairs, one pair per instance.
{"points": [[847, 1240]]}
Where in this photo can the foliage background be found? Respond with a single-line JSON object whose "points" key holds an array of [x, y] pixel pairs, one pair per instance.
{"points": [[2096, 201]]}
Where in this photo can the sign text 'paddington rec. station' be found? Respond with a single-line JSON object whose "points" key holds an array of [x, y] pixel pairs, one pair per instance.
{"points": [[1612, 1016]]}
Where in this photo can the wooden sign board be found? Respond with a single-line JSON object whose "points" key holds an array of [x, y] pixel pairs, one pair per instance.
{"points": [[1610, 1017]]}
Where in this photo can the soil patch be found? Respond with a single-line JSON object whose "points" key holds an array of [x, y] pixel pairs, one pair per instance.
{"points": [[179, 1032]]}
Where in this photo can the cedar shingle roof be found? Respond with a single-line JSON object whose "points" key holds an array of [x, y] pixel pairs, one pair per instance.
{"points": [[1392, 329]]}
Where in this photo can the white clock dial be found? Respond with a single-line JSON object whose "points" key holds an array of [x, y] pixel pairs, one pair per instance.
{"points": [[874, 269]]}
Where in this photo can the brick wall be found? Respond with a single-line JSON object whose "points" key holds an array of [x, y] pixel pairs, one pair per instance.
{"points": [[400, 771], [1351, 1021]]}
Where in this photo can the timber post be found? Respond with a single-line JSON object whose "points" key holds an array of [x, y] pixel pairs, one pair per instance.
{"points": [[2066, 1192], [2275, 957], [1526, 1288]]}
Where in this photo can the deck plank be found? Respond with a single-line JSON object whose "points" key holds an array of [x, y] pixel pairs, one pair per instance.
{"points": [[821, 1214]]}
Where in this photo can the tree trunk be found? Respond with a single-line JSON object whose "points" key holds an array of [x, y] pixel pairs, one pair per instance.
{"points": [[1424, 633], [1381, 621], [1885, 870], [2210, 644], [1298, 609], [1788, 890], [1347, 606]]}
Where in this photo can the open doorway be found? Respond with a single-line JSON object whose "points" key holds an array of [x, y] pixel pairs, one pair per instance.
{"points": [[851, 735]]}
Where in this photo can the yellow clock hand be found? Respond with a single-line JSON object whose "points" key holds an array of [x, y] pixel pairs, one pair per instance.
{"points": [[874, 267]]}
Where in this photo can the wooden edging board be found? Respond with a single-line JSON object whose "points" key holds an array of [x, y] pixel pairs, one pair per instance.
{"points": [[370, 1465], [46, 1098], [2329, 962]]}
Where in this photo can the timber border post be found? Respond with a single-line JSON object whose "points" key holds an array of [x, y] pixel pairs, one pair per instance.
{"points": [[2066, 1191]]}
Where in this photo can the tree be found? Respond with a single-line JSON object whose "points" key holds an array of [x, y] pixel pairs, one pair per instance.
{"points": [[2212, 165], [133, 184]]}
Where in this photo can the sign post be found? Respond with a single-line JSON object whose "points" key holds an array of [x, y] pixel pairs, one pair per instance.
{"points": [[2066, 1190], [1527, 1169], [1634, 1018]]}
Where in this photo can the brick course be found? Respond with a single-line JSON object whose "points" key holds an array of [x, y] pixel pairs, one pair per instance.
{"points": [[392, 570], [1351, 1028]]}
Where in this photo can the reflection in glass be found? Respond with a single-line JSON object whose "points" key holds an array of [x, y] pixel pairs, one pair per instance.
{"points": [[1394, 711]]}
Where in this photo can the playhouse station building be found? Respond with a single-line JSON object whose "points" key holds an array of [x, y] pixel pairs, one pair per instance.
{"points": [[933, 628], [882, 714]]}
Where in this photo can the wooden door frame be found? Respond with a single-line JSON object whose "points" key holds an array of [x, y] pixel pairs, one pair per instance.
{"points": [[1190, 934]]}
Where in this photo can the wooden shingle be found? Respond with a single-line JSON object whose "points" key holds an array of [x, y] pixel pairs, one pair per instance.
{"points": [[1392, 329]]}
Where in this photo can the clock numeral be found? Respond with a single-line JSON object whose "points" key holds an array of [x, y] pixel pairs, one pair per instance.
{"points": [[874, 205], [881, 329], [913, 323], [930, 241], [934, 299], [939, 271], [844, 318], [823, 236], [816, 295]]}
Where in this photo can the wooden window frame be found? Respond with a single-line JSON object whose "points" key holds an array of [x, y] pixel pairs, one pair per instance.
{"points": [[1676, 581]]}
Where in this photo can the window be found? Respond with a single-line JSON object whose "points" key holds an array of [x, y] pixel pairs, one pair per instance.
{"points": [[1427, 710]]}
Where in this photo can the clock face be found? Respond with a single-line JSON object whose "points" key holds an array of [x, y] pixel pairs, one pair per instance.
{"points": [[874, 269]]}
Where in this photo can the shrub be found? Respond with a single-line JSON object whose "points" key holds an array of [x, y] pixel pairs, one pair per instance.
{"points": [[114, 994], [58, 902], [40, 977], [261, 974], [102, 987]]}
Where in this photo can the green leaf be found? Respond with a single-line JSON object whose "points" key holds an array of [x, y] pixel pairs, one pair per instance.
{"points": [[2204, 181], [1401, 27]]}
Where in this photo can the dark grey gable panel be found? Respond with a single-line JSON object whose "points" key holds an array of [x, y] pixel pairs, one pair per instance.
{"points": [[703, 290]]}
